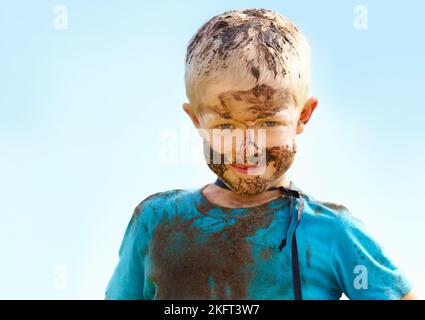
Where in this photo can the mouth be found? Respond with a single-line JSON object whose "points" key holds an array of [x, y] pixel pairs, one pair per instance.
{"points": [[249, 169]]}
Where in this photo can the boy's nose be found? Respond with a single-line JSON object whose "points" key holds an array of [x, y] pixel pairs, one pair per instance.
{"points": [[248, 151], [251, 152]]}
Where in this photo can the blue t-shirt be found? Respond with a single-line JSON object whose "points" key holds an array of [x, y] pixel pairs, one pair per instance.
{"points": [[178, 245]]}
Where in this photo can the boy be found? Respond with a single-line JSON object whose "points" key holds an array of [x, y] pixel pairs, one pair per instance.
{"points": [[252, 234]]}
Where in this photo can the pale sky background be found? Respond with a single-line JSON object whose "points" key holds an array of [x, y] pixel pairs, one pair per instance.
{"points": [[83, 112]]}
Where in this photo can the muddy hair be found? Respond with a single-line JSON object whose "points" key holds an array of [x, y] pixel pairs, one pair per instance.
{"points": [[247, 48]]}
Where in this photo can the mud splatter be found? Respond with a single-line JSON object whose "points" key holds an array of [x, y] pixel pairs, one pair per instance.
{"points": [[280, 157], [211, 156], [237, 97], [205, 206], [325, 206], [255, 72], [262, 101], [139, 207], [224, 111], [160, 194], [308, 257], [259, 13], [318, 210], [272, 36], [265, 253], [335, 206], [186, 258]]}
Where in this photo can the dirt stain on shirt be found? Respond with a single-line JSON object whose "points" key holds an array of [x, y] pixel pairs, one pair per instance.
{"points": [[187, 259]]}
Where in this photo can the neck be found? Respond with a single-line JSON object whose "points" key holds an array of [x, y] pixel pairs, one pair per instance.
{"points": [[237, 199], [281, 182]]}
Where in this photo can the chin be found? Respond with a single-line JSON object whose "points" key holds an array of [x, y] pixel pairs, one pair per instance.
{"points": [[247, 184]]}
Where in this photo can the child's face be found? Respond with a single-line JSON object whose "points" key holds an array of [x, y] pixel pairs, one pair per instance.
{"points": [[249, 164]]}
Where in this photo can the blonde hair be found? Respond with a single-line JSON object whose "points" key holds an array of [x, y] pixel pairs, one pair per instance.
{"points": [[248, 47]]}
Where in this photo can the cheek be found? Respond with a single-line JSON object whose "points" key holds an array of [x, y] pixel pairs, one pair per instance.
{"points": [[215, 159], [280, 138], [224, 148], [281, 135], [219, 142], [281, 157], [227, 144]]}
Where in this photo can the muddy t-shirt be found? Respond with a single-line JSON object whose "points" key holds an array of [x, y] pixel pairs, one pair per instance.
{"points": [[178, 245]]}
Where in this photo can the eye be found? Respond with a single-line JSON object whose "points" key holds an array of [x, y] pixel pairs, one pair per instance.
{"points": [[271, 123], [225, 126]]}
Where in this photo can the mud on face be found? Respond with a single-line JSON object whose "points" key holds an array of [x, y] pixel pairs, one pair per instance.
{"points": [[278, 160], [256, 104]]}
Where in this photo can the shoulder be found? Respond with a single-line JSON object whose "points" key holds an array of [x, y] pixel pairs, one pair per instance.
{"points": [[343, 226], [159, 199], [330, 209], [321, 208], [338, 217], [152, 208]]}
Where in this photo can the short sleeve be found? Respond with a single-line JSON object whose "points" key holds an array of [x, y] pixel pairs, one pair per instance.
{"points": [[361, 267], [128, 277]]}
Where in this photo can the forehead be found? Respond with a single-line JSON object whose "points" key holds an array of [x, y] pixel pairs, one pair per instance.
{"points": [[261, 101]]}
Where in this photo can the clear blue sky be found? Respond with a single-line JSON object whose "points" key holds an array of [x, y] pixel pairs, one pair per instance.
{"points": [[83, 112]]}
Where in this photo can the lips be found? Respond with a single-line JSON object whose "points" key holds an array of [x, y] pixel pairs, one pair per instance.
{"points": [[245, 165], [248, 169]]}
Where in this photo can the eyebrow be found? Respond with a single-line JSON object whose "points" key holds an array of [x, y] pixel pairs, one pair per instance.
{"points": [[215, 116], [269, 112]]}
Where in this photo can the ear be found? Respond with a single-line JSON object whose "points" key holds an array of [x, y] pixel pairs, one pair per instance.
{"points": [[306, 113], [188, 109]]}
